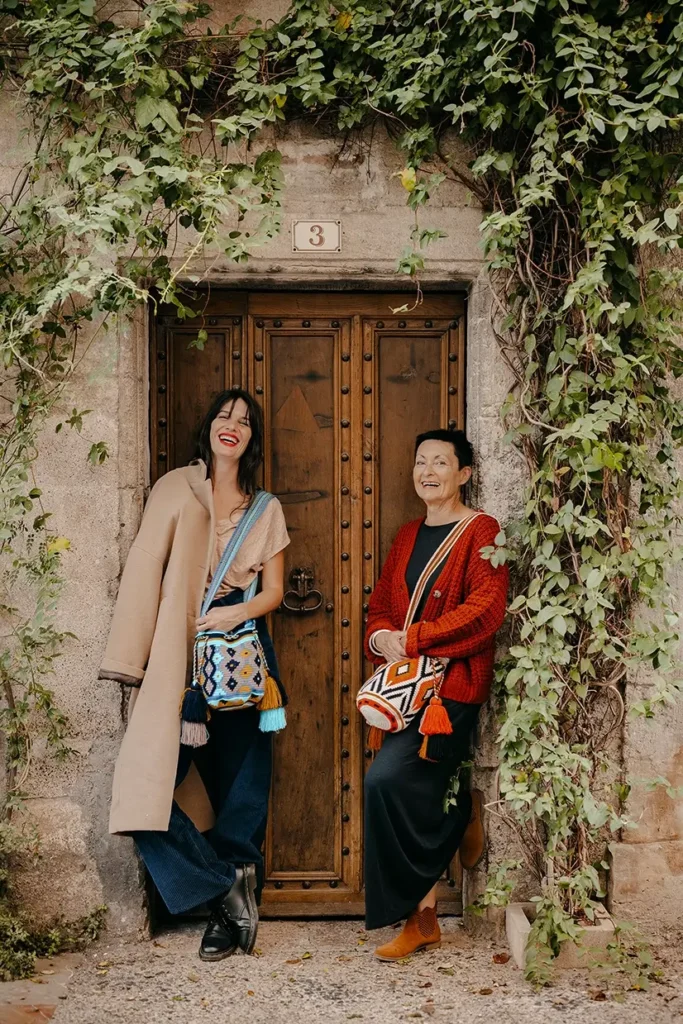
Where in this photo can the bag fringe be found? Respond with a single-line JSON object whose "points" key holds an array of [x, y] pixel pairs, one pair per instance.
{"points": [[435, 720], [272, 720], [272, 697], [375, 738], [194, 734]]}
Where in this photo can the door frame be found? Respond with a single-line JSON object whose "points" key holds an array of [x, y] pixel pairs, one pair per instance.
{"points": [[238, 311]]}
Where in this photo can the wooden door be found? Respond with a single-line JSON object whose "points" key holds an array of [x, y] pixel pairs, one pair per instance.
{"points": [[345, 385]]}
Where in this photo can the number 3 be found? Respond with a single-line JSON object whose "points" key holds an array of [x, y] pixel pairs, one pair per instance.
{"points": [[317, 235]]}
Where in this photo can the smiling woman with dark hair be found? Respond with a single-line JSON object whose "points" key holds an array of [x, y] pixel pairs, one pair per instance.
{"points": [[186, 575], [436, 596]]}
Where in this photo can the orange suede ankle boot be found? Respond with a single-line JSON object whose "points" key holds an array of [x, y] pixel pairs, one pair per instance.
{"points": [[421, 931]]}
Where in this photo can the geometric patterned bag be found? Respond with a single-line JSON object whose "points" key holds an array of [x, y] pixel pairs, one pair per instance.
{"points": [[230, 668], [399, 690]]}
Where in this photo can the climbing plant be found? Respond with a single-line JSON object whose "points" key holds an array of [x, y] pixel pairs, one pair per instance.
{"points": [[563, 120], [122, 191]]}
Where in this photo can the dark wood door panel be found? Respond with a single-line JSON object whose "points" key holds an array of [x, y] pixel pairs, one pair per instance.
{"points": [[301, 427], [418, 389], [183, 380]]}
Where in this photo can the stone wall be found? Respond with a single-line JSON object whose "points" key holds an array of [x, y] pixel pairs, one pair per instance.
{"points": [[99, 509]]}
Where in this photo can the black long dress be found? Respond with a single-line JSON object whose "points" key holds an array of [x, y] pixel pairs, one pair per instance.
{"points": [[410, 839]]}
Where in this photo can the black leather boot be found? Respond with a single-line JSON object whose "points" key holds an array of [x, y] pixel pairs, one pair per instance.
{"points": [[238, 907], [219, 940]]}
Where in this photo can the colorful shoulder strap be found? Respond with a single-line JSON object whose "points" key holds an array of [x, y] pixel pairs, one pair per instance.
{"points": [[439, 557], [253, 513]]}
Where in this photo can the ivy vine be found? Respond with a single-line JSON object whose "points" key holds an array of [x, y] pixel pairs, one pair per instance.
{"points": [[571, 116]]}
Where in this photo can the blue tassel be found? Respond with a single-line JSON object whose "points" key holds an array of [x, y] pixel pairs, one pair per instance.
{"points": [[273, 720], [194, 714]]}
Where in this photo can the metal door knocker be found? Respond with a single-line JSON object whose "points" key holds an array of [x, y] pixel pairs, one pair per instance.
{"points": [[302, 597]]}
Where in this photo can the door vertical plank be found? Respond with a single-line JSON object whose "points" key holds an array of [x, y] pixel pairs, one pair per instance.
{"points": [[353, 806]]}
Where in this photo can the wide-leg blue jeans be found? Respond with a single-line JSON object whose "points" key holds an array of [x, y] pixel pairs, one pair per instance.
{"points": [[189, 867]]}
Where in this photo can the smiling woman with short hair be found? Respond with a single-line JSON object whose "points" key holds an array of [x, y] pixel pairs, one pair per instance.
{"points": [[459, 604]]}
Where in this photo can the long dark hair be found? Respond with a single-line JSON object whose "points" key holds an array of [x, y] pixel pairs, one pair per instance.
{"points": [[252, 456]]}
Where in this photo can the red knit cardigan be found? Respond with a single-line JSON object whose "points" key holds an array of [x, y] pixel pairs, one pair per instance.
{"points": [[463, 611]]}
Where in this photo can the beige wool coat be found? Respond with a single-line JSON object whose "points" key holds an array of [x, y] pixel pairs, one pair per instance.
{"points": [[150, 647]]}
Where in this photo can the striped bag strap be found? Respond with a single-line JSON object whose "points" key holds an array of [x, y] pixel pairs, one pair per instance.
{"points": [[438, 558], [254, 512]]}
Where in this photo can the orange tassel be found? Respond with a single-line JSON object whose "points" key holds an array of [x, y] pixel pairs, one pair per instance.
{"points": [[375, 738], [423, 750], [271, 698], [435, 720]]}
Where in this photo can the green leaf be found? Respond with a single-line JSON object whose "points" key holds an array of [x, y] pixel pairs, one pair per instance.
{"points": [[170, 115], [559, 624], [671, 219], [146, 109]]}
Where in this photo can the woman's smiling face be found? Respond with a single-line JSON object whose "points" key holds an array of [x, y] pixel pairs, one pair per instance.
{"points": [[231, 431], [437, 474]]}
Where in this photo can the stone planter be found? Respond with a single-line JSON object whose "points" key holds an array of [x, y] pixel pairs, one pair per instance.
{"points": [[591, 945]]}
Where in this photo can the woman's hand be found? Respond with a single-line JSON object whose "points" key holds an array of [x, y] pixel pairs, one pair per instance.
{"points": [[224, 619], [391, 645]]}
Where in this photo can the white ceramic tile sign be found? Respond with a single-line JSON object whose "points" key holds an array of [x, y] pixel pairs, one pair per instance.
{"points": [[316, 236]]}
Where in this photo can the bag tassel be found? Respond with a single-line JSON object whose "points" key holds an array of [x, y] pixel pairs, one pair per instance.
{"points": [[435, 722], [272, 717], [442, 747], [194, 714], [423, 751], [375, 738]]}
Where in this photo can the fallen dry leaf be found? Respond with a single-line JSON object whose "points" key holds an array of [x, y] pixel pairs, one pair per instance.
{"points": [[250, 991], [297, 961], [256, 951], [485, 991], [597, 994], [103, 963], [101, 972], [425, 984], [306, 956], [344, 958], [446, 970], [156, 942], [500, 958]]}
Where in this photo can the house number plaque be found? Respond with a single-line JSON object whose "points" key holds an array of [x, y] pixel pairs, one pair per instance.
{"points": [[316, 236]]}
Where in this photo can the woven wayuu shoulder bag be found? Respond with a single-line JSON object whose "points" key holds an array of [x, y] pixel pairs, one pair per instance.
{"points": [[399, 690]]}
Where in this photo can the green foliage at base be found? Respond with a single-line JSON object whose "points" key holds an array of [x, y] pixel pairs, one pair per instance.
{"points": [[21, 943]]}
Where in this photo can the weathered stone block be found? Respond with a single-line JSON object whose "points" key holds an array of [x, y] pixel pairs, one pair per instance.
{"points": [[646, 885]]}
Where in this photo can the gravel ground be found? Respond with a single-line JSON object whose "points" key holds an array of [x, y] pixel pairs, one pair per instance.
{"points": [[324, 971]]}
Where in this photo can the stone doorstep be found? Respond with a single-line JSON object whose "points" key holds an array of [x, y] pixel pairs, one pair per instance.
{"points": [[35, 1000], [596, 937]]}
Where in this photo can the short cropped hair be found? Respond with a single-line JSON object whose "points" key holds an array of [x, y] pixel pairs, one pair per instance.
{"points": [[462, 447]]}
